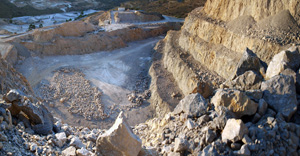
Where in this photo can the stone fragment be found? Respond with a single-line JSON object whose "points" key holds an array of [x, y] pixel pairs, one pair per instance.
{"points": [[180, 145], [119, 140], [210, 136], [234, 130], [236, 101], [249, 61], [262, 107], [246, 139], [244, 151], [70, 151], [247, 81], [76, 142], [61, 139], [281, 61], [204, 88], [280, 94], [189, 124], [33, 147], [193, 105], [235, 146], [83, 152]]}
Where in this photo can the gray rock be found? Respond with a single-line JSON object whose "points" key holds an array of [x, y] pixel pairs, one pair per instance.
{"points": [[262, 107], [246, 139], [249, 61], [190, 124], [13, 95], [193, 105], [244, 151], [119, 140], [254, 95], [61, 139], [33, 147], [209, 151], [236, 101], [180, 145], [83, 152], [290, 72], [247, 81], [234, 130], [280, 94], [76, 142], [210, 136], [70, 151]]}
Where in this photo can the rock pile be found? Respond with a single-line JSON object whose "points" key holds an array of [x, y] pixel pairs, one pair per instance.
{"points": [[21, 134], [236, 120], [69, 86]]}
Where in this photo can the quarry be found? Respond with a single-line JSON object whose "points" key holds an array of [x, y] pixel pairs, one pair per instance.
{"points": [[223, 81]]}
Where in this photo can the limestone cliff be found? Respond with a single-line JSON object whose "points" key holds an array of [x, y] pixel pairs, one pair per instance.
{"points": [[214, 38]]}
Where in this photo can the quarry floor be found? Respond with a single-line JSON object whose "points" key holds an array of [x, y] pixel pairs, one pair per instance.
{"points": [[114, 73]]}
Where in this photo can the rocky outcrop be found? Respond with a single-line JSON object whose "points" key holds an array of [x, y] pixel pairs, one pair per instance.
{"points": [[119, 140], [9, 53], [37, 114], [228, 10]]}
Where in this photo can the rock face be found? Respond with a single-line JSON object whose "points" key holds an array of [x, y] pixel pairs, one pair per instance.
{"points": [[131, 17], [280, 94], [9, 53], [119, 140], [236, 101], [193, 105]]}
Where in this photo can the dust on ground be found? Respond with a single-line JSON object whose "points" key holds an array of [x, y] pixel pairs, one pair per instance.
{"points": [[77, 87]]}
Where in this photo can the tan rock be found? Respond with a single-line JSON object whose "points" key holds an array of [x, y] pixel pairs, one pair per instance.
{"points": [[70, 151], [234, 130], [119, 140], [236, 101]]}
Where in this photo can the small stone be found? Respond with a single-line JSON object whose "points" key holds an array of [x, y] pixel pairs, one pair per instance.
{"points": [[189, 124], [246, 139], [1, 145], [210, 136], [256, 118], [244, 151], [262, 107], [70, 151], [235, 146], [180, 145], [83, 152], [61, 139], [3, 137], [76, 142], [234, 130], [33, 147]]}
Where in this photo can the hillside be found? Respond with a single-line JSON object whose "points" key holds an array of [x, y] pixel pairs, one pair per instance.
{"points": [[176, 8]]}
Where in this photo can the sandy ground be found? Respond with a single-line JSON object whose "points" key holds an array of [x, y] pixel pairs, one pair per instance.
{"points": [[114, 73]]}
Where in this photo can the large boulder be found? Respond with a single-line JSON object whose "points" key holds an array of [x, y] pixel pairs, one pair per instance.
{"points": [[193, 105], [283, 60], [280, 94], [247, 81], [249, 61], [119, 140], [234, 130], [236, 101]]}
